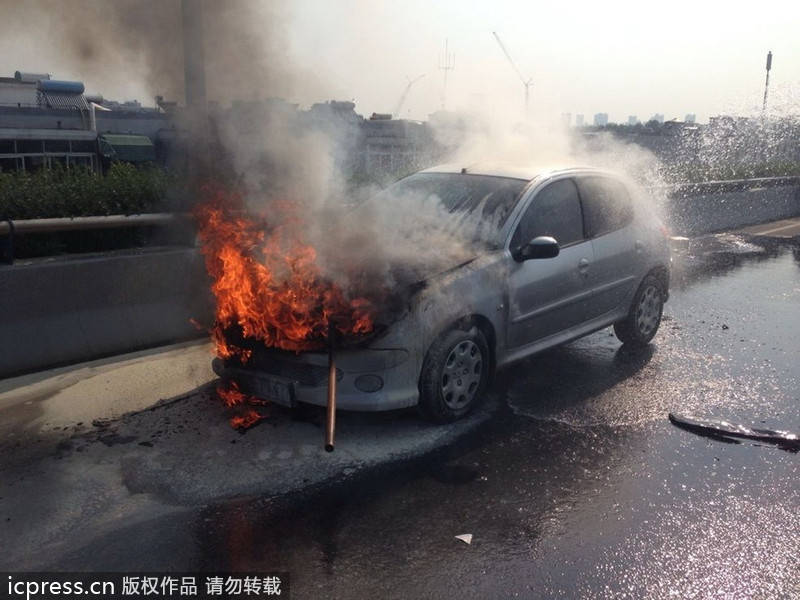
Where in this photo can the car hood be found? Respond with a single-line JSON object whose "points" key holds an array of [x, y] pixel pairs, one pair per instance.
{"points": [[407, 281]]}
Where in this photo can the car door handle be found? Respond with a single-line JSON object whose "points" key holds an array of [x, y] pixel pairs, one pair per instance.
{"points": [[583, 265]]}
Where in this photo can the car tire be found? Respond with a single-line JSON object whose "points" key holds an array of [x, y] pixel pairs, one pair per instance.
{"points": [[454, 375], [644, 317]]}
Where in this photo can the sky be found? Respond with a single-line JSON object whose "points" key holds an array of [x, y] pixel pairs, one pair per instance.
{"points": [[617, 57]]}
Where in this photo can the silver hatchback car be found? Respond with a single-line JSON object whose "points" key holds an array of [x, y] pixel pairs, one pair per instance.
{"points": [[555, 255]]}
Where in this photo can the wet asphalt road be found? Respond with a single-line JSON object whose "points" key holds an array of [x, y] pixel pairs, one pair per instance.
{"points": [[571, 480]]}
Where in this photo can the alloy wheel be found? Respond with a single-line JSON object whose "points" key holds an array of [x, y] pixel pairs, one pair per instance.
{"points": [[461, 374], [648, 313]]}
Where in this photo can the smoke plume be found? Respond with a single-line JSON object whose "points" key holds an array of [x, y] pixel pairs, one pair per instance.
{"points": [[113, 43]]}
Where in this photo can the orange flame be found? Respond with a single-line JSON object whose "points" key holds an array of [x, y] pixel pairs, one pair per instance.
{"points": [[231, 395], [267, 282], [246, 420], [246, 415]]}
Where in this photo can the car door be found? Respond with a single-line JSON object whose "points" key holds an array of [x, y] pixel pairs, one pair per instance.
{"points": [[549, 295], [609, 214]]}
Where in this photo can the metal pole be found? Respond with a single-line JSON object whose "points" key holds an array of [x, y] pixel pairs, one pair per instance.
{"points": [[766, 85], [447, 65], [193, 52], [330, 426], [527, 94]]}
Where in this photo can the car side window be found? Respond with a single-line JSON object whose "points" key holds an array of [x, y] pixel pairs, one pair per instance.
{"points": [[607, 205], [555, 211]]}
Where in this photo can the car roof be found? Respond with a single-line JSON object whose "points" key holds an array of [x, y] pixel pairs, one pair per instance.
{"points": [[525, 172]]}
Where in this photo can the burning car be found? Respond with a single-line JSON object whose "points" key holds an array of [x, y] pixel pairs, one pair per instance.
{"points": [[515, 262]]}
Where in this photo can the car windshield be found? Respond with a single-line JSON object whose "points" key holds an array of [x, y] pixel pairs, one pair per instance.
{"points": [[472, 207]]}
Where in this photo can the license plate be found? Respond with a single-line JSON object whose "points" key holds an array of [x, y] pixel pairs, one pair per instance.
{"points": [[275, 390]]}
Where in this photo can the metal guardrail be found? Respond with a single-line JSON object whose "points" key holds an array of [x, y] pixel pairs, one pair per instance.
{"points": [[9, 228], [88, 223]]}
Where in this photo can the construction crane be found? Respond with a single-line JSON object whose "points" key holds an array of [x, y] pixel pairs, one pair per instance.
{"points": [[525, 82], [402, 101]]}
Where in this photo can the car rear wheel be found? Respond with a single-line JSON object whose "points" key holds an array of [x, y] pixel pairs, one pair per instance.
{"points": [[644, 317], [454, 375]]}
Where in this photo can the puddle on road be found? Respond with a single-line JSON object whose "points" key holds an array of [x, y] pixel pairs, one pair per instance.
{"points": [[107, 388]]}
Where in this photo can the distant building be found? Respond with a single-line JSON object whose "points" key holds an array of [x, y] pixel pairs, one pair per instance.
{"points": [[658, 118], [44, 122], [395, 146], [379, 145], [601, 119], [633, 120], [690, 119], [579, 122]]}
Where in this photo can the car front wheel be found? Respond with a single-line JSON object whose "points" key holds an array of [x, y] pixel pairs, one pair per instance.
{"points": [[644, 316], [454, 375]]}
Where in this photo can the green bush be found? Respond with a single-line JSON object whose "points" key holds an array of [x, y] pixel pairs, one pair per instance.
{"points": [[80, 192]]}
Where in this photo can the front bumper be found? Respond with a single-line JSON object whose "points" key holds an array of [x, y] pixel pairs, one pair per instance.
{"points": [[366, 379]]}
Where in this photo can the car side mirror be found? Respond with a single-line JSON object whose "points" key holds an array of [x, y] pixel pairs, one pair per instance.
{"points": [[539, 247]]}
